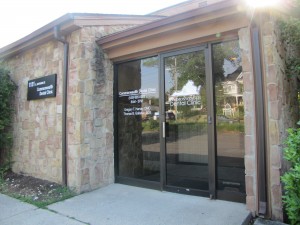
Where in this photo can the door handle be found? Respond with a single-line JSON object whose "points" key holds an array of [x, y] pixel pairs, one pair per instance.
{"points": [[209, 120], [165, 131]]}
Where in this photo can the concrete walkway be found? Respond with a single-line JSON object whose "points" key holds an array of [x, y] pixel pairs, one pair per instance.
{"points": [[14, 212], [125, 205]]}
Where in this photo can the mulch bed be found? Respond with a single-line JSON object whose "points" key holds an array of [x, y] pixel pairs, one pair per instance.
{"points": [[33, 190]]}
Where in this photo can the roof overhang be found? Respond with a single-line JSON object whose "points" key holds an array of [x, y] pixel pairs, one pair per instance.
{"points": [[69, 23], [188, 28]]}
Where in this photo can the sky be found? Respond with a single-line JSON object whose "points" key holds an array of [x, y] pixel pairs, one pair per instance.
{"points": [[19, 18]]}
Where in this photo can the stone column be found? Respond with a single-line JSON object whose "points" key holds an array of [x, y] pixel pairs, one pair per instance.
{"points": [[250, 127], [90, 111], [281, 106]]}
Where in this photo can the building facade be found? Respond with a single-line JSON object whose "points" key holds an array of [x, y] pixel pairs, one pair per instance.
{"points": [[192, 98]]}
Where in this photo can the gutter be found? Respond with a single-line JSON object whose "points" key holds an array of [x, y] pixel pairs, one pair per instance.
{"points": [[58, 37], [39, 37]]}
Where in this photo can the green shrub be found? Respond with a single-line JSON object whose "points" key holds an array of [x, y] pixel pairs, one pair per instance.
{"points": [[7, 88], [150, 125], [153, 124], [290, 32], [231, 127], [291, 178]]}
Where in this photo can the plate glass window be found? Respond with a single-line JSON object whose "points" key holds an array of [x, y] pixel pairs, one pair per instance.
{"points": [[138, 119], [229, 107]]}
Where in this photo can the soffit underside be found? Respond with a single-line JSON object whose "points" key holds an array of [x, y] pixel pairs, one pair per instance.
{"points": [[222, 25]]}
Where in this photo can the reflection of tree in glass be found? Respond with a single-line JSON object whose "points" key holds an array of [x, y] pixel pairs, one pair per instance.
{"points": [[229, 51], [154, 101], [150, 62], [226, 53], [184, 68], [187, 67], [191, 66]]}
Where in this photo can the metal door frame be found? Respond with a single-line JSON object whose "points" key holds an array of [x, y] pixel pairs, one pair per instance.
{"points": [[210, 124]]}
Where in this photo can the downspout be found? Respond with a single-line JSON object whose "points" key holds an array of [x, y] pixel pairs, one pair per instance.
{"points": [[260, 120], [58, 37]]}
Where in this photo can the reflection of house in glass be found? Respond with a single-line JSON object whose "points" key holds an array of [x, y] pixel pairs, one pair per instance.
{"points": [[232, 86]]}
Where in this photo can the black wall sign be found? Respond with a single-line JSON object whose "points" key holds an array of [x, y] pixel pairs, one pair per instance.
{"points": [[43, 87]]}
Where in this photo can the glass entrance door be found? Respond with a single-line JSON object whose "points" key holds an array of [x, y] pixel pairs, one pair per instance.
{"points": [[185, 120], [180, 122]]}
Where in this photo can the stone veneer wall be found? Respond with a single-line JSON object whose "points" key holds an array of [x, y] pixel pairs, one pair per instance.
{"points": [[37, 124], [250, 125], [281, 107], [281, 112], [90, 111], [90, 156]]}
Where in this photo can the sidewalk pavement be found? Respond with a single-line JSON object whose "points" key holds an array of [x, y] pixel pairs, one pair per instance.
{"points": [[119, 204], [15, 212]]}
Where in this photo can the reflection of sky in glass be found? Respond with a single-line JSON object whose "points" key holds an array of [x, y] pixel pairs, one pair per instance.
{"points": [[169, 83], [232, 60], [188, 89], [150, 78]]}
